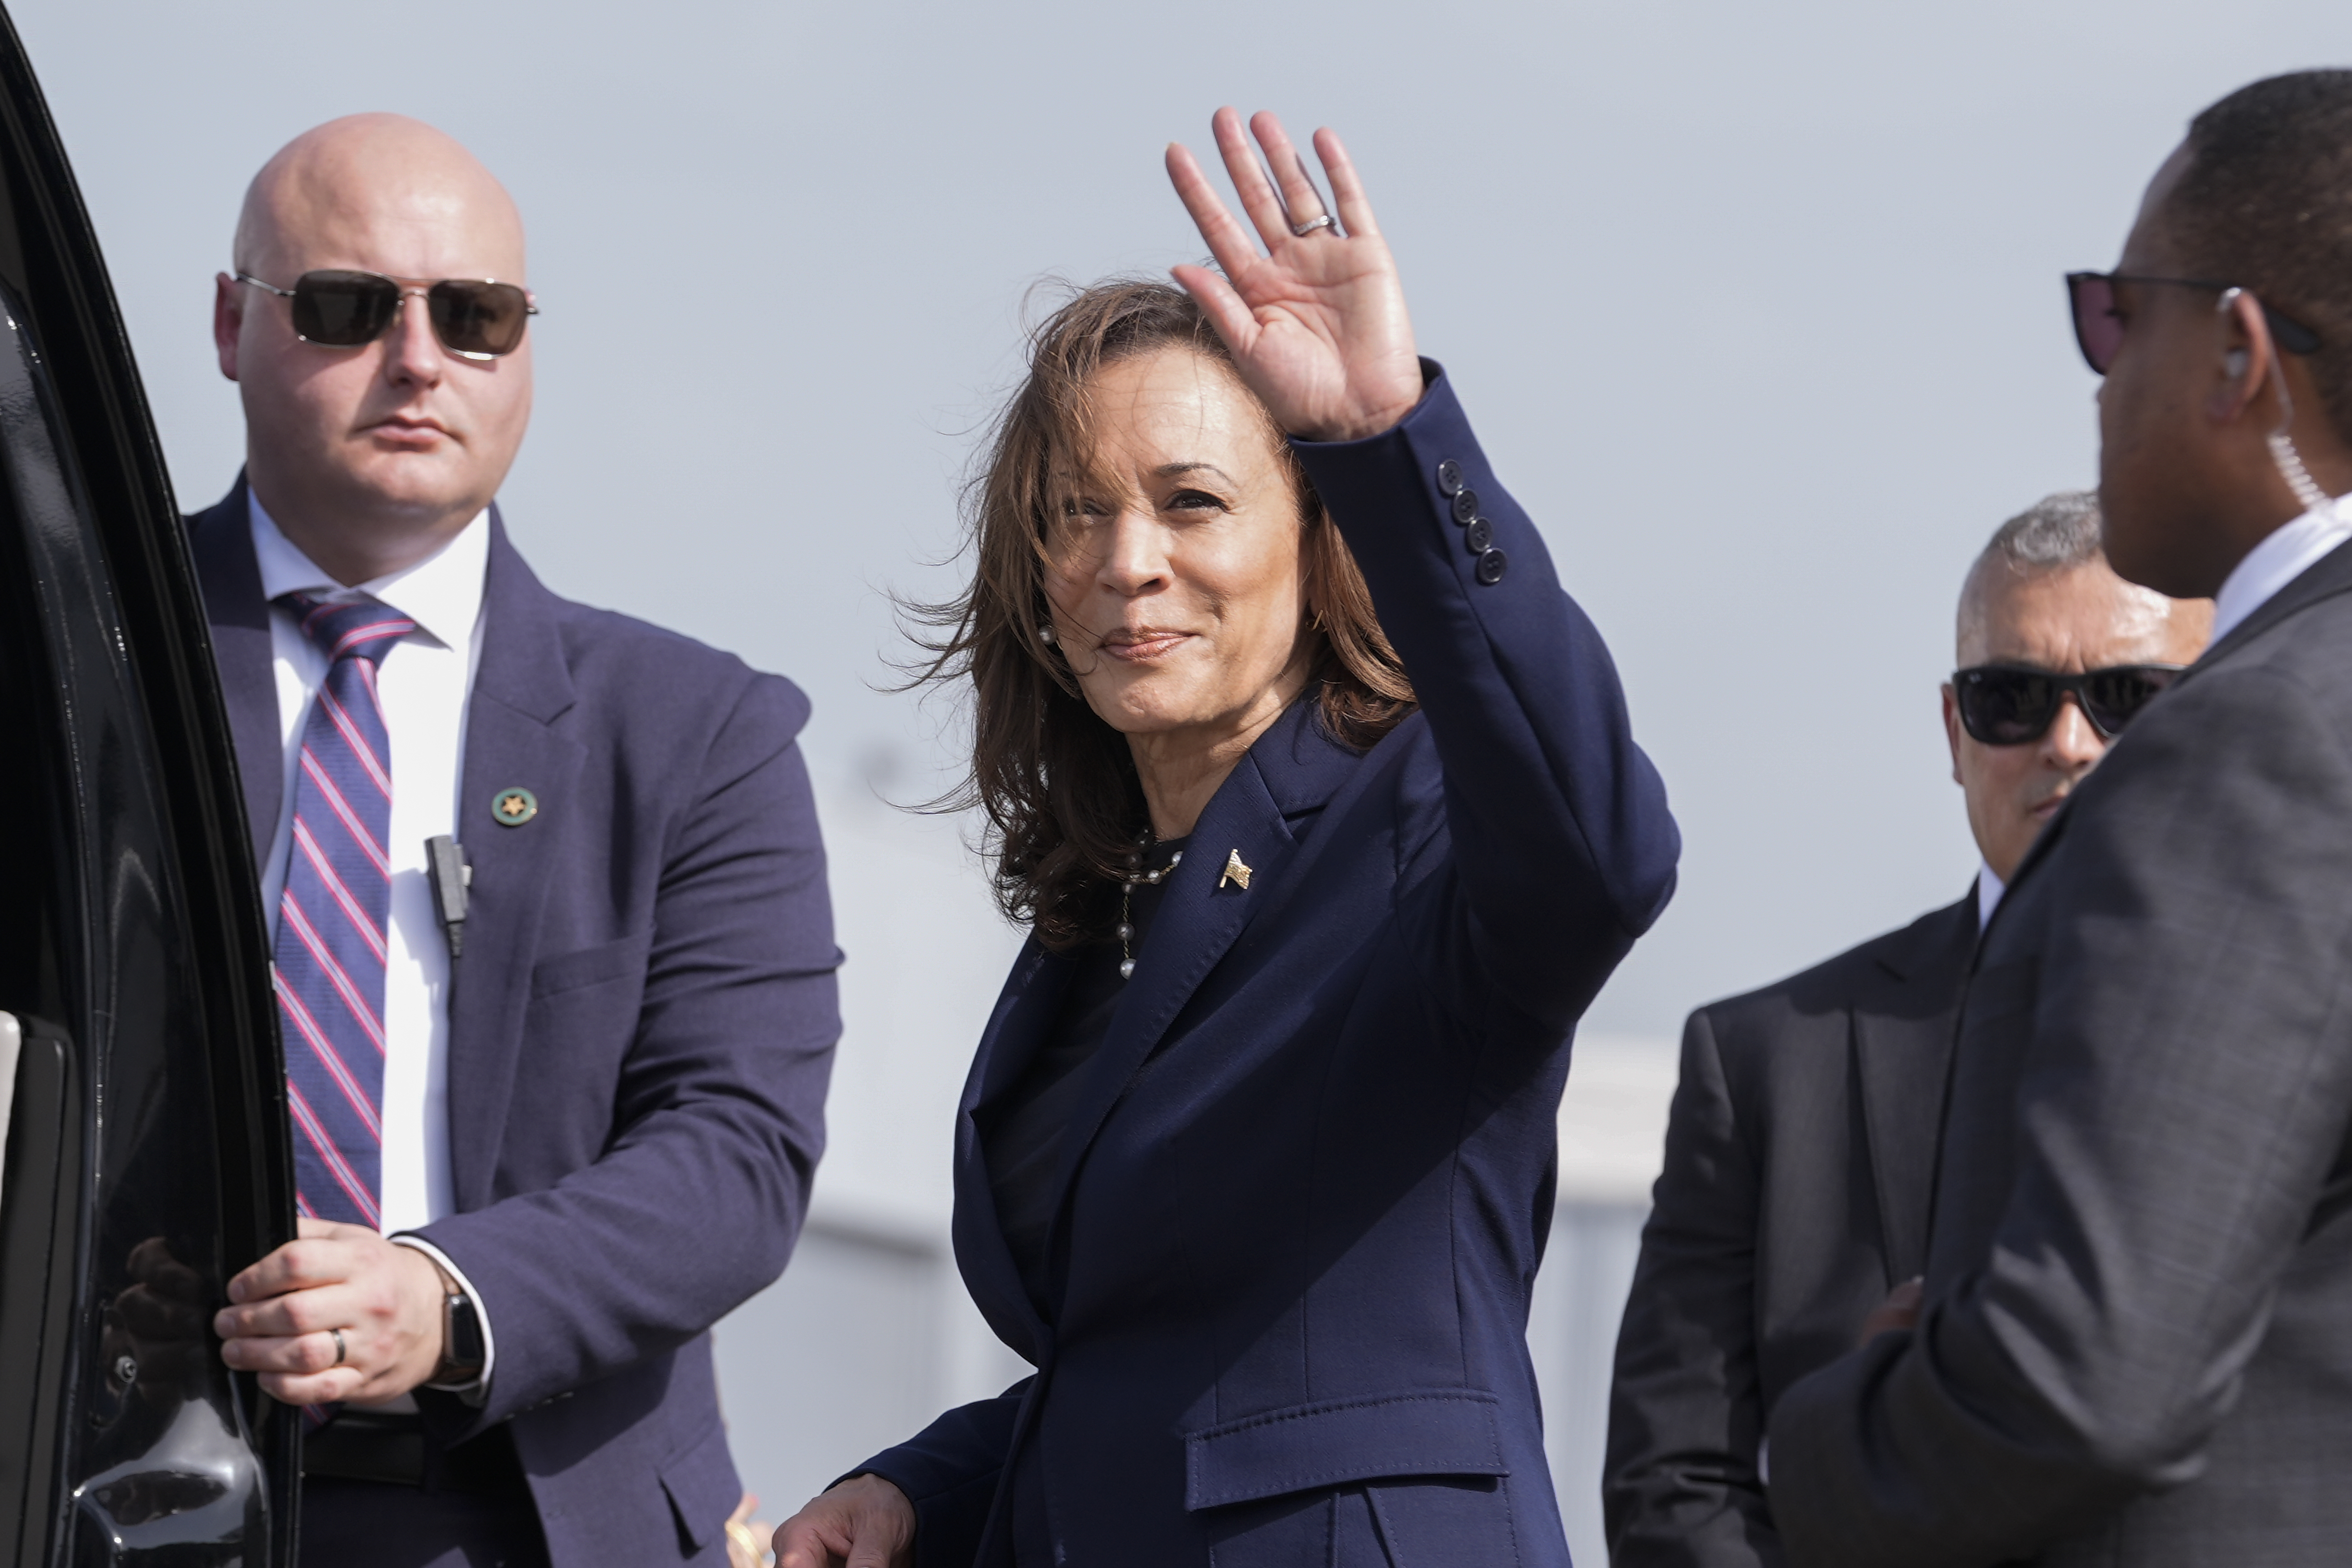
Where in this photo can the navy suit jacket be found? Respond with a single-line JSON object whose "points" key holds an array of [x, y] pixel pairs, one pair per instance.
{"points": [[1309, 1182], [641, 1029]]}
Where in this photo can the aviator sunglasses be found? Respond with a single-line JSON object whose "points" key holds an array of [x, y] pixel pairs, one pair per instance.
{"points": [[2007, 705], [475, 318], [2099, 327]]}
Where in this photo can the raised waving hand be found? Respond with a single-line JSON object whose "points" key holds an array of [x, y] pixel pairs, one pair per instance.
{"points": [[1317, 324]]}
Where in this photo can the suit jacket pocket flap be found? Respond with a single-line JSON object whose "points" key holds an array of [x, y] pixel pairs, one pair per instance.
{"points": [[1437, 1432], [590, 966], [702, 1485]]}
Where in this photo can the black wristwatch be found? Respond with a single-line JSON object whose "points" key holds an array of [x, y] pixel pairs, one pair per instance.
{"points": [[462, 1352]]}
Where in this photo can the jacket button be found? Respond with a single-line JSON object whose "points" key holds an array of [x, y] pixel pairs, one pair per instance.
{"points": [[1491, 567], [1449, 477], [1466, 506], [1479, 535]]}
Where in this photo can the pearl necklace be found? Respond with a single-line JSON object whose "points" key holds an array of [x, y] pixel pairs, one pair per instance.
{"points": [[1137, 876]]}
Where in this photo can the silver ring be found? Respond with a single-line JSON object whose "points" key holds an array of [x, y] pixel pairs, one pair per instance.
{"points": [[1302, 230], [340, 1349]]}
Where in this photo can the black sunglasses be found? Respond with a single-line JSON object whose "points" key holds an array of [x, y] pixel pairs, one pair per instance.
{"points": [[2099, 329], [2010, 705], [475, 318]]}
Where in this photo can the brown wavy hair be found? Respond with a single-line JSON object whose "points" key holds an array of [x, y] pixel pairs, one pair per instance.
{"points": [[1057, 786]]}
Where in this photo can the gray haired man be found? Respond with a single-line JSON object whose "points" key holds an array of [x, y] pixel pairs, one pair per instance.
{"points": [[1804, 1137]]}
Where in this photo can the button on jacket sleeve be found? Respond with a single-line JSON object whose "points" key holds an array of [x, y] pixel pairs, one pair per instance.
{"points": [[1562, 844]]}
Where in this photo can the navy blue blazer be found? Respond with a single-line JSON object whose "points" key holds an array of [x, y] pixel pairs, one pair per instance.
{"points": [[1310, 1178], [641, 1030]]}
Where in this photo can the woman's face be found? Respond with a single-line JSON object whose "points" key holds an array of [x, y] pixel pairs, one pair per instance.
{"points": [[1176, 575]]}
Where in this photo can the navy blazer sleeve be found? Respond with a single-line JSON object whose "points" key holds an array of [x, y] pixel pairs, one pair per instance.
{"points": [[1561, 839], [720, 1102], [949, 1470]]}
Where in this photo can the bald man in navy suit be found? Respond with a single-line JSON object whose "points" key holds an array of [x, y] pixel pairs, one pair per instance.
{"points": [[554, 954]]}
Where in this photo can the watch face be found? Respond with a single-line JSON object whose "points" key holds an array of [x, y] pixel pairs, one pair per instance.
{"points": [[461, 1331]]}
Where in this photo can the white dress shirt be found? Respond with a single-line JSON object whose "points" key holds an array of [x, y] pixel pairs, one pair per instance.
{"points": [[424, 682], [2278, 560], [1989, 889]]}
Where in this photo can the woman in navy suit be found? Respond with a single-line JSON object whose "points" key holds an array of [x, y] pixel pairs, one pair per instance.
{"points": [[1255, 1162]]}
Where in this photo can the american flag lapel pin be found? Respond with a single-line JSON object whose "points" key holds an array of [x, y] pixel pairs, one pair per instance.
{"points": [[1237, 870]]}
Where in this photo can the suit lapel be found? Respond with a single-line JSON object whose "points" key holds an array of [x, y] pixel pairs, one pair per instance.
{"points": [[1026, 1011], [221, 540], [1291, 774], [1903, 1048], [521, 689], [1202, 913]]}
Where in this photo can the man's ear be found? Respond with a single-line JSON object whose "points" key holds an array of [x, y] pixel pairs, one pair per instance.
{"points": [[2243, 339], [228, 320], [1952, 731]]}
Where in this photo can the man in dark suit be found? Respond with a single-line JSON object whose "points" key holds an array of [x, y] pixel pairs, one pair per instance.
{"points": [[554, 957], [2135, 1345], [1802, 1144]]}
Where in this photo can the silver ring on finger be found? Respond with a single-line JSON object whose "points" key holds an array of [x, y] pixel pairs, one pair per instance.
{"points": [[341, 1350], [1302, 230]]}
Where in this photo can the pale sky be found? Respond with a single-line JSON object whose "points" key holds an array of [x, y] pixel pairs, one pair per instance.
{"points": [[1756, 310]]}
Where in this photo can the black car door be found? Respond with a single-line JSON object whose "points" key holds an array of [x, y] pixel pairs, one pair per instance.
{"points": [[140, 1084]]}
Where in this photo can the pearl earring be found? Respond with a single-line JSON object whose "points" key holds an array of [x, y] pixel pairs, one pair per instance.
{"points": [[1045, 634]]}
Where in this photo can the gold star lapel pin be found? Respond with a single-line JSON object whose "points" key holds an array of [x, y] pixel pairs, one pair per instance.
{"points": [[1237, 870]]}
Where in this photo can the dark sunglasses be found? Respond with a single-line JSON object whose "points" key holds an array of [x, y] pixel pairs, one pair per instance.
{"points": [[473, 317], [2099, 329], [2007, 705]]}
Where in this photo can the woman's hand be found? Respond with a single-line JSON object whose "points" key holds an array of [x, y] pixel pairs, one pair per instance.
{"points": [[864, 1522], [1318, 325]]}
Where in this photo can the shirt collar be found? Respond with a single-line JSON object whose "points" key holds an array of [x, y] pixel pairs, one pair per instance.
{"points": [[1989, 889], [442, 594], [2277, 561]]}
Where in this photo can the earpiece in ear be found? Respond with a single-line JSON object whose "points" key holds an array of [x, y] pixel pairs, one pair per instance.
{"points": [[2234, 362]]}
